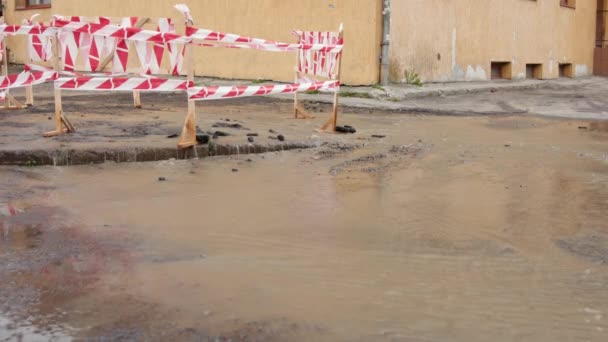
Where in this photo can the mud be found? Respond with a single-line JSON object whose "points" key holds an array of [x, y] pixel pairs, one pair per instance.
{"points": [[446, 229]]}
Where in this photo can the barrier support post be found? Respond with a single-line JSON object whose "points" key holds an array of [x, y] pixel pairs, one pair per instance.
{"points": [[137, 99], [62, 124], [188, 137], [136, 93], [333, 121], [29, 96], [297, 108], [9, 101]]}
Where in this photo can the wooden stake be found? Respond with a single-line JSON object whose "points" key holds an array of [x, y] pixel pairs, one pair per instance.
{"points": [[333, 121], [29, 96], [137, 98], [297, 78], [297, 108], [188, 137], [62, 124], [7, 103]]}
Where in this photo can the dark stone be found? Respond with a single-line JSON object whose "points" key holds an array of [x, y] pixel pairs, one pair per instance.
{"points": [[272, 131], [250, 139], [379, 136], [252, 134], [235, 170], [221, 134], [172, 136], [162, 179], [202, 139], [229, 125], [583, 127], [351, 129], [281, 137], [342, 129]]}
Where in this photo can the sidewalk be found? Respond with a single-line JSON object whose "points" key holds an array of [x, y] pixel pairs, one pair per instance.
{"points": [[581, 98]]}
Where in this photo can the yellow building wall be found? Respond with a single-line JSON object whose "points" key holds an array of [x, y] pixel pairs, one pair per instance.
{"points": [[456, 40], [269, 19]]}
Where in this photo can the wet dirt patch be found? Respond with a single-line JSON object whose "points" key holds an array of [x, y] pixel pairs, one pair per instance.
{"points": [[593, 247], [45, 264], [516, 122], [600, 126], [15, 124], [334, 149], [395, 157], [269, 330]]}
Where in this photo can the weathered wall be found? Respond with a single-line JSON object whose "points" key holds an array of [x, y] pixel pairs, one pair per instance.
{"points": [[270, 19], [456, 40]]}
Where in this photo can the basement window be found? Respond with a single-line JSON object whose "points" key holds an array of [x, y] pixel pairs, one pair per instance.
{"points": [[568, 3], [534, 71], [565, 70], [32, 4], [501, 71]]}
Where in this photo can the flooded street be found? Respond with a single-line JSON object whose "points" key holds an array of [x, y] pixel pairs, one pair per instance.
{"points": [[447, 229]]}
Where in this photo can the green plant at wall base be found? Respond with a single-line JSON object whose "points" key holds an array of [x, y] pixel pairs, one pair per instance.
{"points": [[411, 77], [313, 92], [378, 87], [258, 81], [31, 163]]}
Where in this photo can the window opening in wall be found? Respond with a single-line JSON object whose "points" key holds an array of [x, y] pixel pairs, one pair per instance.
{"points": [[501, 70], [534, 71], [565, 70], [568, 3], [30, 4]]}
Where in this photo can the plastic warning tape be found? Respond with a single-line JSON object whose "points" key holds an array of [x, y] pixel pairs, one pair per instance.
{"points": [[11, 30], [122, 84], [230, 40], [26, 78], [226, 92], [320, 62]]}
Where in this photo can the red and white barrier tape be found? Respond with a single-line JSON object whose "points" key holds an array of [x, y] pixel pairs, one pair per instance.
{"points": [[26, 78], [121, 84], [319, 62], [225, 92], [35, 67], [39, 48], [12, 30]]}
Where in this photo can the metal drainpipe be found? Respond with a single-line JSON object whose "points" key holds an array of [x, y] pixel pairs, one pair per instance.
{"points": [[386, 41]]}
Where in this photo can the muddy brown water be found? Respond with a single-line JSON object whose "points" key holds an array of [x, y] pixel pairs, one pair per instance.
{"points": [[448, 229]]}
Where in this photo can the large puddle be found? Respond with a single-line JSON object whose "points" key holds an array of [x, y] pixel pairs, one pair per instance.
{"points": [[448, 229]]}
